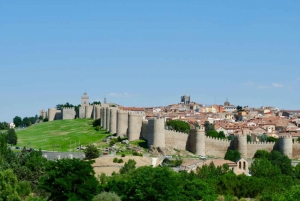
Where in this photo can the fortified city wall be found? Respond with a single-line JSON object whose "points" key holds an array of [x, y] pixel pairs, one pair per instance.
{"points": [[68, 113], [134, 126]]}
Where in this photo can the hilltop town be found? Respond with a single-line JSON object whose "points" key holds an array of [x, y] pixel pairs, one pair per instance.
{"points": [[229, 118]]}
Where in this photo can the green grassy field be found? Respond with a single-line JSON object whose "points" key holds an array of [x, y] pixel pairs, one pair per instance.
{"points": [[60, 135]]}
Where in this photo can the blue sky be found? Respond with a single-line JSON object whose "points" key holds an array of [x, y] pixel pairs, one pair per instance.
{"points": [[148, 53]]}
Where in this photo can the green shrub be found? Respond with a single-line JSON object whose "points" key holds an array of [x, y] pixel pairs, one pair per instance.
{"points": [[120, 160], [107, 196], [96, 123], [123, 155], [98, 128], [115, 160]]}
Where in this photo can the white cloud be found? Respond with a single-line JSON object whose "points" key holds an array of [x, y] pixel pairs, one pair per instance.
{"points": [[277, 85], [262, 87], [121, 95]]}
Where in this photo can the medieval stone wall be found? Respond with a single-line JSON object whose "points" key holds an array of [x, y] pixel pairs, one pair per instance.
{"points": [[54, 114], [175, 139], [68, 113], [252, 147], [296, 150], [81, 112], [216, 147]]}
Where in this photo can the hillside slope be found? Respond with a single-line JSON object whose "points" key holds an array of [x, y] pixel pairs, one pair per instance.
{"points": [[60, 135]]}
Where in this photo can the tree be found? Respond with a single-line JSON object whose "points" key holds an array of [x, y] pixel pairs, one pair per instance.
{"points": [[26, 121], [3, 125], [96, 103], [232, 155], [230, 137], [178, 125], [91, 152], [212, 133], [249, 139], [262, 167], [17, 121], [23, 189], [261, 154], [96, 122], [12, 137], [208, 126], [239, 108], [107, 196], [281, 161], [70, 179], [128, 166], [222, 134], [272, 139], [297, 171], [8, 186], [263, 137]]}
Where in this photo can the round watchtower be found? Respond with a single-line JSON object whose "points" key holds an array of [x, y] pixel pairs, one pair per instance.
{"points": [[104, 118], [240, 144], [286, 145], [144, 129], [156, 132], [122, 123], [113, 121], [134, 125], [200, 141], [108, 119], [101, 117]]}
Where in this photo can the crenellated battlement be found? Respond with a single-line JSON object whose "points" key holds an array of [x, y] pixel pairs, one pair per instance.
{"points": [[285, 137], [263, 143], [217, 139], [135, 113], [68, 108], [201, 128], [122, 111], [177, 132]]}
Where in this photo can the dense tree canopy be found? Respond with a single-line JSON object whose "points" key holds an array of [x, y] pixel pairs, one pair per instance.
{"points": [[91, 152], [208, 126], [3, 125], [12, 137], [8, 186], [70, 179], [178, 125], [232, 155], [17, 121]]}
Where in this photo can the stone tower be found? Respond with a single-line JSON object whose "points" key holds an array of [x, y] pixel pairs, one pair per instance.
{"points": [[286, 145], [240, 144], [134, 125], [199, 134], [156, 132], [85, 100], [186, 99], [122, 123], [107, 119], [104, 117], [113, 120]]}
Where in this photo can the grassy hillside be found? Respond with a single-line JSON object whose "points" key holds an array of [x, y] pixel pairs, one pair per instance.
{"points": [[60, 135]]}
